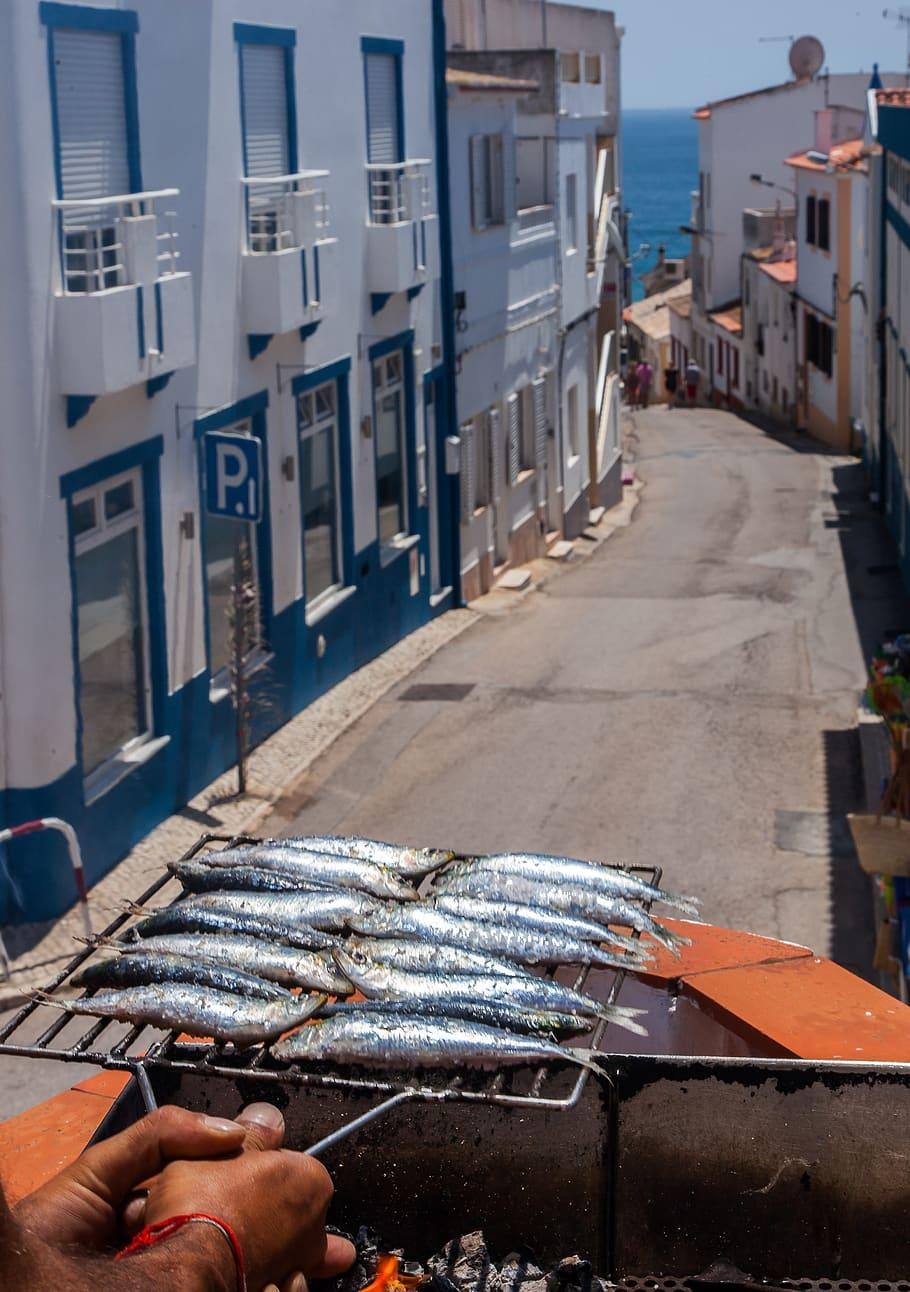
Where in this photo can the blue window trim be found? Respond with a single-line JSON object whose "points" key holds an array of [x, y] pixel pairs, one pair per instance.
{"points": [[381, 45], [248, 33], [252, 408], [340, 373], [145, 456], [404, 342], [230, 413], [126, 23], [112, 465], [87, 17], [286, 39]]}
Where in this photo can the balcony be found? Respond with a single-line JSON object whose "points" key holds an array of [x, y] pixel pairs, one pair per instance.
{"points": [[289, 257], [124, 312], [403, 239], [582, 85]]}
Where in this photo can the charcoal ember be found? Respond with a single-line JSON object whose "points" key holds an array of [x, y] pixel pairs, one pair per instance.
{"points": [[465, 1264], [573, 1274], [518, 1273]]}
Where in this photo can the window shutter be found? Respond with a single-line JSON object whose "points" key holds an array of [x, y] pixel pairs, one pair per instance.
{"points": [[540, 435], [382, 108], [265, 110], [479, 181], [497, 455], [91, 110], [468, 473], [513, 449], [509, 180]]}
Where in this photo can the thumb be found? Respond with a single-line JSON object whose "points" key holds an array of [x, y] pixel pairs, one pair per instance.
{"points": [[340, 1255], [264, 1126]]}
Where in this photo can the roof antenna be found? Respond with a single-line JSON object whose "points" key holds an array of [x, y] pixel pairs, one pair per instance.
{"points": [[902, 18]]}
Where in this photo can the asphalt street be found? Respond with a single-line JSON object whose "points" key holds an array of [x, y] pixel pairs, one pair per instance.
{"points": [[685, 698]]}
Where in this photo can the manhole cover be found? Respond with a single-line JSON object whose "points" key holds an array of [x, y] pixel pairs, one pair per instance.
{"points": [[451, 692]]}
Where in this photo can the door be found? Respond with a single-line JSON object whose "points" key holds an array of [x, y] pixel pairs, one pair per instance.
{"points": [[266, 141], [496, 450]]}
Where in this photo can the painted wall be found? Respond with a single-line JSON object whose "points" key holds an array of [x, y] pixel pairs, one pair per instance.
{"points": [[189, 113]]}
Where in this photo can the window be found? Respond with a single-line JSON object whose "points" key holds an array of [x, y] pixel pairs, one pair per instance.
{"points": [[231, 554], [112, 632], [534, 161], [572, 417], [269, 134], [811, 220], [894, 175], [571, 213], [819, 345], [320, 504], [95, 119], [776, 395], [824, 224], [385, 129], [720, 358], [734, 358], [487, 181], [905, 171], [389, 397]]}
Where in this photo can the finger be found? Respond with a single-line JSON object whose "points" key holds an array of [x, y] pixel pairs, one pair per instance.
{"points": [[264, 1126], [132, 1218], [115, 1167], [295, 1283], [340, 1255]]}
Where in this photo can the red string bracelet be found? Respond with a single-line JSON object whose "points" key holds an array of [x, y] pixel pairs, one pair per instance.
{"points": [[163, 1229]]}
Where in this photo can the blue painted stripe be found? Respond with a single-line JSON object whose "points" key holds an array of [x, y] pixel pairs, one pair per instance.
{"points": [[306, 293], [87, 17], [402, 341], [316, 273], [140, 320], [131, 112], [291, 95], [159, 319], [248, 33], [112, 465], [237, 412], [381, 45], [318, 376]]}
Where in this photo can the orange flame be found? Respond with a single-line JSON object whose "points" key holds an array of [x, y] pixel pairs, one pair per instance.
{"points": [[389, 1277]]}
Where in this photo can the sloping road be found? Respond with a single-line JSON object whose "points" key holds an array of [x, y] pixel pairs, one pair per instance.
{"points": [[686, 697]]}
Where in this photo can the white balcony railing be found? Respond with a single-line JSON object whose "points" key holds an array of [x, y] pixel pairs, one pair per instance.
{"points": [[536, 217], [284, 212], [400, 192], [115, 241]]}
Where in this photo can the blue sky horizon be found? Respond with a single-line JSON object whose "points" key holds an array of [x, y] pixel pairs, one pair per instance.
{"points": [[679, 55]]}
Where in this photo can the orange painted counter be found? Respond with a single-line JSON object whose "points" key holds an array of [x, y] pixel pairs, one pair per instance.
{"points": [[780, 997]]}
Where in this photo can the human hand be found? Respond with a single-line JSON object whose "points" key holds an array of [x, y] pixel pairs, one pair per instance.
{"points": [[83, 1205], [275, 1201]]}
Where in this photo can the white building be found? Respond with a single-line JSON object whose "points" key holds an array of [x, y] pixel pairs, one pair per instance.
{"points": [[832, 201], [740, 138], [194, 243], [539, 264], [769, 331]]}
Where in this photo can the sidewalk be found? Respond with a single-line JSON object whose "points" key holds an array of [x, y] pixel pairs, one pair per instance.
{"points": [[38, 951]]}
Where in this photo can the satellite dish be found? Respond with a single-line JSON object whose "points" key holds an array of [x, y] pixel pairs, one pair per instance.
{"points": [[807, 57]]}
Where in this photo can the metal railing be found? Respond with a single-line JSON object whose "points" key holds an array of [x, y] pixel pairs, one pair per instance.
{"points": [[399, 191], [535, 217], [92, 247], [273, 210]]}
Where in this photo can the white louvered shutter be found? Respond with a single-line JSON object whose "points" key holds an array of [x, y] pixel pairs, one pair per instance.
{"points": [[479, 181], [497, 456], [540, 434], [513, 447], [91, 113], [468, 473], [382, 107], [265, 110]]}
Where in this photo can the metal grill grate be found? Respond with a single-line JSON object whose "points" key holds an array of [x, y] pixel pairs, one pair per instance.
{"points": [[40, 1031], [682, 1283]]}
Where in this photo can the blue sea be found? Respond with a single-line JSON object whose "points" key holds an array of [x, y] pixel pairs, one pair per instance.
{"points": [[660, 170]]}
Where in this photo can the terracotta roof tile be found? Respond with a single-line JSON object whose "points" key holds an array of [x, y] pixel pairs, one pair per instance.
{"points": [[850, 155], [894, 98], [782, 271], [731, 320]]}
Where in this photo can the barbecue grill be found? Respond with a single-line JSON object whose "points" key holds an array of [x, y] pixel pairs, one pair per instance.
{"points": [[790, 1170]]}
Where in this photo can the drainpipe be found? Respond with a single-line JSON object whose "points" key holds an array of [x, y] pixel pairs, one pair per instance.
{"points": [[449, 422]]}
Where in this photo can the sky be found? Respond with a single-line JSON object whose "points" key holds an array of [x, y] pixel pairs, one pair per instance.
{"points": [[680, 53]]}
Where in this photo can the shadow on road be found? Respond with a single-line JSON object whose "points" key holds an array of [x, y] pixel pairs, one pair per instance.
{"points": [[852, 932]]}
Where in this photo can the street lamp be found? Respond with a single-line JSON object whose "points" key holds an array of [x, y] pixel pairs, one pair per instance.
{"points": [[769, 183]]}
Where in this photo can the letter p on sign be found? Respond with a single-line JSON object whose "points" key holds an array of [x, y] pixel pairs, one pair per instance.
{"points": [[233, 476]]}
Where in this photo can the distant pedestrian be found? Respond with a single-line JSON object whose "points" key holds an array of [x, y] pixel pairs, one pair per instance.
{"points": [[671, 383], [693, 377], [645, 377], [632, 384]]}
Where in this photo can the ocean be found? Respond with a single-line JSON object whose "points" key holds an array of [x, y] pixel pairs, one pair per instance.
{"points": [[660, 170]]}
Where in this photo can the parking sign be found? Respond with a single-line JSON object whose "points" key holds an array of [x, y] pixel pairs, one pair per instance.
{"points": [[233, 476]]}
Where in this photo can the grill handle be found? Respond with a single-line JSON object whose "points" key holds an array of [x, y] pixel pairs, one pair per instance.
{"points": [[402, 1097]]}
